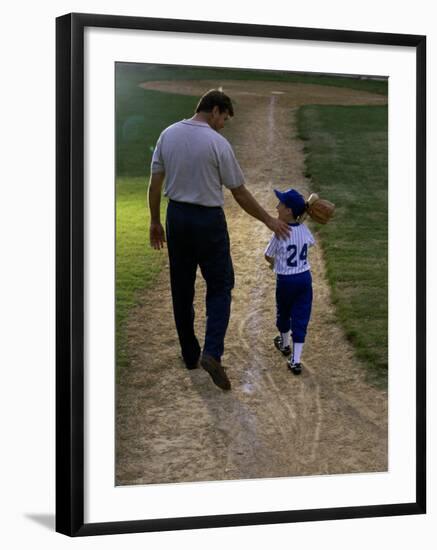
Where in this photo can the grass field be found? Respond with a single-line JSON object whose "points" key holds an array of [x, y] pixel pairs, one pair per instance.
{"points": [[142, 114], [137, 265], [347, 162]]}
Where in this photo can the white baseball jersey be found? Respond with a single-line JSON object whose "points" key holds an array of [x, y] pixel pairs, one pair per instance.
{"points": [[291, 255]]}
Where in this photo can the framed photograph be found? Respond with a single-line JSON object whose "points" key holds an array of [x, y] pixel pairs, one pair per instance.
{"points": [[196, 387]]}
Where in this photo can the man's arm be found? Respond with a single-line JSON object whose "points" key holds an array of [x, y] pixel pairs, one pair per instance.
{"points": [[250, 205], [157, 234]]}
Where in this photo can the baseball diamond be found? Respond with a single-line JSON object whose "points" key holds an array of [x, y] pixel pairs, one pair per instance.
{"points": [[173, 424]]}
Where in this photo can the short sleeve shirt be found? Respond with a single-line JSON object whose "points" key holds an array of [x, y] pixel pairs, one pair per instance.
{"points": [[197, 162]]}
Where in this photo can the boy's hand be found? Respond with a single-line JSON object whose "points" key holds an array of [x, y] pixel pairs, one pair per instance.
{"points": [[271, 262]]}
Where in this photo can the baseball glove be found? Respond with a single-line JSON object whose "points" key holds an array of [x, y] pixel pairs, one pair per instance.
{"points": [[320, 210]]}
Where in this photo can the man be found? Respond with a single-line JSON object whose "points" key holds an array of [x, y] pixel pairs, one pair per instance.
{"points": [[196, 162]]}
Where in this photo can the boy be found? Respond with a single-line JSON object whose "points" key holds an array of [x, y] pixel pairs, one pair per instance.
{"points": [[294, 294]]}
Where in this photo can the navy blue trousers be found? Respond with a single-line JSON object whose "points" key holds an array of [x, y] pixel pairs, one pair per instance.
{"points": [[294, 298], [198, 236]]}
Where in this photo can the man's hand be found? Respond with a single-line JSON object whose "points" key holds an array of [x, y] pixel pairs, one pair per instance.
{"points": [[280, 228], [157, 236], [250, 205]]}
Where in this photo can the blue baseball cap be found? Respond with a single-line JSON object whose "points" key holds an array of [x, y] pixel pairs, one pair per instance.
{"points": [[292, 199]]}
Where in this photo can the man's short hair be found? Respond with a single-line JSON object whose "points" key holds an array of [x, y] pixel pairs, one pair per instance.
{"points": [[212, 98]]}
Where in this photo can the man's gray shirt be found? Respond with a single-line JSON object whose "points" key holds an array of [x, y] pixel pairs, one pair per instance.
{"points": [[197, 162]]}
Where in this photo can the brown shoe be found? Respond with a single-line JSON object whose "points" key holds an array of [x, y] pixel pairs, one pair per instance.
{"points": [[216, 371]]}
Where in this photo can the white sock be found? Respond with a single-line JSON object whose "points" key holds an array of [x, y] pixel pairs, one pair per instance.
{"points": [[285, 339], [297, 352]]}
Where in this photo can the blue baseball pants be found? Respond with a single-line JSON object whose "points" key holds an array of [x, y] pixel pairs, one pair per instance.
{"points": [[294, 297]]}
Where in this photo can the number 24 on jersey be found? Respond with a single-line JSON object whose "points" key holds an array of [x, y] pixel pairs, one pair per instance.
{"points": [[292, 259]]}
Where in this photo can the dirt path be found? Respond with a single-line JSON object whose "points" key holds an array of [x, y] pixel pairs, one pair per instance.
{"points": [[174, 424]]}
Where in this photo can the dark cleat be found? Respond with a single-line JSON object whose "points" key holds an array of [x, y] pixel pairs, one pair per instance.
{"points": [[296, 368], [285, 350]]}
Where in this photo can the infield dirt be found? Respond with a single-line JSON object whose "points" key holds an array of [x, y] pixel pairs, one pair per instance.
{"points": [[175, 425]]}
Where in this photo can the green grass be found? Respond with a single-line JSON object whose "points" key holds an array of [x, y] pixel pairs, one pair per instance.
{"points": [[136, 73], [346, 159], [137, 264], [142, 114]]}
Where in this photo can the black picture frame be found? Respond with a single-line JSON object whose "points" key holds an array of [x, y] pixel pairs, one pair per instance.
{"points": [[70, 273]]}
